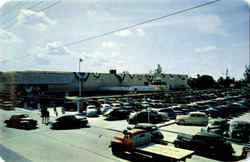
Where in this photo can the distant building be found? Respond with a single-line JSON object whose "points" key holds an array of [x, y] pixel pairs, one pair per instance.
{"points": [[33, 83]]}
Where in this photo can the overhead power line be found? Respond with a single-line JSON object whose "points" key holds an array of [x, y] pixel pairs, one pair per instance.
{"points": [[18, 4], [43, 9], [132, 26], [138, 24], [13, 18], [52, 5]]}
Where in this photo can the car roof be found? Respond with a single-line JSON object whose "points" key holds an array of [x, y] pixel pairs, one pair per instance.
{"points": [[135, 131], [197, 112], [145, 125], [240, 122]]}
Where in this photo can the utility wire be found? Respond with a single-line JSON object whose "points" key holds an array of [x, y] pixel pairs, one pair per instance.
{"points": [[16, 6], [132, 26], [13, 18], [138, 24], [50, 6]]}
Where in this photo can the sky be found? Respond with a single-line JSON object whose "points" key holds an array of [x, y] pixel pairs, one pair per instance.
{"points": [[46, 35]]}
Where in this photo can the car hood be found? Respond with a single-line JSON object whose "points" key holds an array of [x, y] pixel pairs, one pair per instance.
{"points": [[181, 116]]}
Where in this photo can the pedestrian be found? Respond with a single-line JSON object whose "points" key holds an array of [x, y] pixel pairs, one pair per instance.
{"points": [[55, 111], [43, 114], [47, 117]]}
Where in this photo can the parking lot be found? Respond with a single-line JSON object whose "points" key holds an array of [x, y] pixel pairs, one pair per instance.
{"points": [[44, 144]]}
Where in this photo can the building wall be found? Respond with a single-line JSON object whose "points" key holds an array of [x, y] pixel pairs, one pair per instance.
{"points": [[69, 81]]}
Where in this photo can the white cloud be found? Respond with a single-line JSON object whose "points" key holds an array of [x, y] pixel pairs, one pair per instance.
{"points": [[126, 33], [123, 33], [205, 49], [140, 32], [43, 55], [2, 2], [109, 44], [3, 60], [248, 2], [53, 50], [7, 37], [36, 20], [211, 24], [97, 59]]}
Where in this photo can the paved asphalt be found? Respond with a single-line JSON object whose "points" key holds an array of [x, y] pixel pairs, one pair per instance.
{"points": [[85, 144]]}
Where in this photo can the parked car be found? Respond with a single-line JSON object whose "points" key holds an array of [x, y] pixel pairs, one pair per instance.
{"points": [[69, 122], [239, 130], [97, 105], [22, 121], [105, 108], [116, 105], [209, 145], [145, 116], [152, 128], [168, 112], [214, 113], [116, 114], [217, 126], [91, 111], [155, 103], [72, 106], [127, 105], [145, 104], [193, 118]]}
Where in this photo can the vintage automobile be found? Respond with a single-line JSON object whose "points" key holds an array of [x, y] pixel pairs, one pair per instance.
{"points": [[127, 105], [72, 106], [168, 112], [217, 126], [214, 113], [69, 122], [239, 130], [91, 111], [105, 107], [116, 114], [152, 128], [205, 144], [22, 121], [145, 116], [193, 118]]}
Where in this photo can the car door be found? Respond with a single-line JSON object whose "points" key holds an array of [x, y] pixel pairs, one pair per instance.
{"points": [[192, 119], [201, 119]]}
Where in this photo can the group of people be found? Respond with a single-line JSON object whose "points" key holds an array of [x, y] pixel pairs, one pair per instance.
{"points": [[45, 114]]}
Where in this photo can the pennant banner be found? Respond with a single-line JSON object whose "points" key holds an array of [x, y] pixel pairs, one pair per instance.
{"points": [[82, 76], [97, 75]]}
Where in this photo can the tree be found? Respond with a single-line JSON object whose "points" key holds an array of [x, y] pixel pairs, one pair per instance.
{"points": [[202, 82], [226, 83]]}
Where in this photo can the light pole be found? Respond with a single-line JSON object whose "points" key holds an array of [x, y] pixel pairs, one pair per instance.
{"points": [[80, 85]]}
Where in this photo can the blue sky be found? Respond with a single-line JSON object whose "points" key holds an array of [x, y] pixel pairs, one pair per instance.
{"points": [[206, 40]]}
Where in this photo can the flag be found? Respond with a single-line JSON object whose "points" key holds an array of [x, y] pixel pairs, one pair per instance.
{"points": [[80, 60]]}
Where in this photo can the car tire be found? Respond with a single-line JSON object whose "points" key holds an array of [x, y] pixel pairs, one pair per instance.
{"points": [[116, 150], [181, 122], [82, 125]]}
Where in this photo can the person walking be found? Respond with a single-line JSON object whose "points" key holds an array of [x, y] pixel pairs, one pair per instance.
{"points": [[46, 116], [43, 114], [55, 111]]}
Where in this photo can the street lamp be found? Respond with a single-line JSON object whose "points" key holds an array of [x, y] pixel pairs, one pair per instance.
{"points": [[80, 85]]}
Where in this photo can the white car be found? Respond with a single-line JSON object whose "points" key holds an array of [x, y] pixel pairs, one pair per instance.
{"points": [[105, 108], [193, 118], [145, 104], [116, 105], [91, 111]]}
